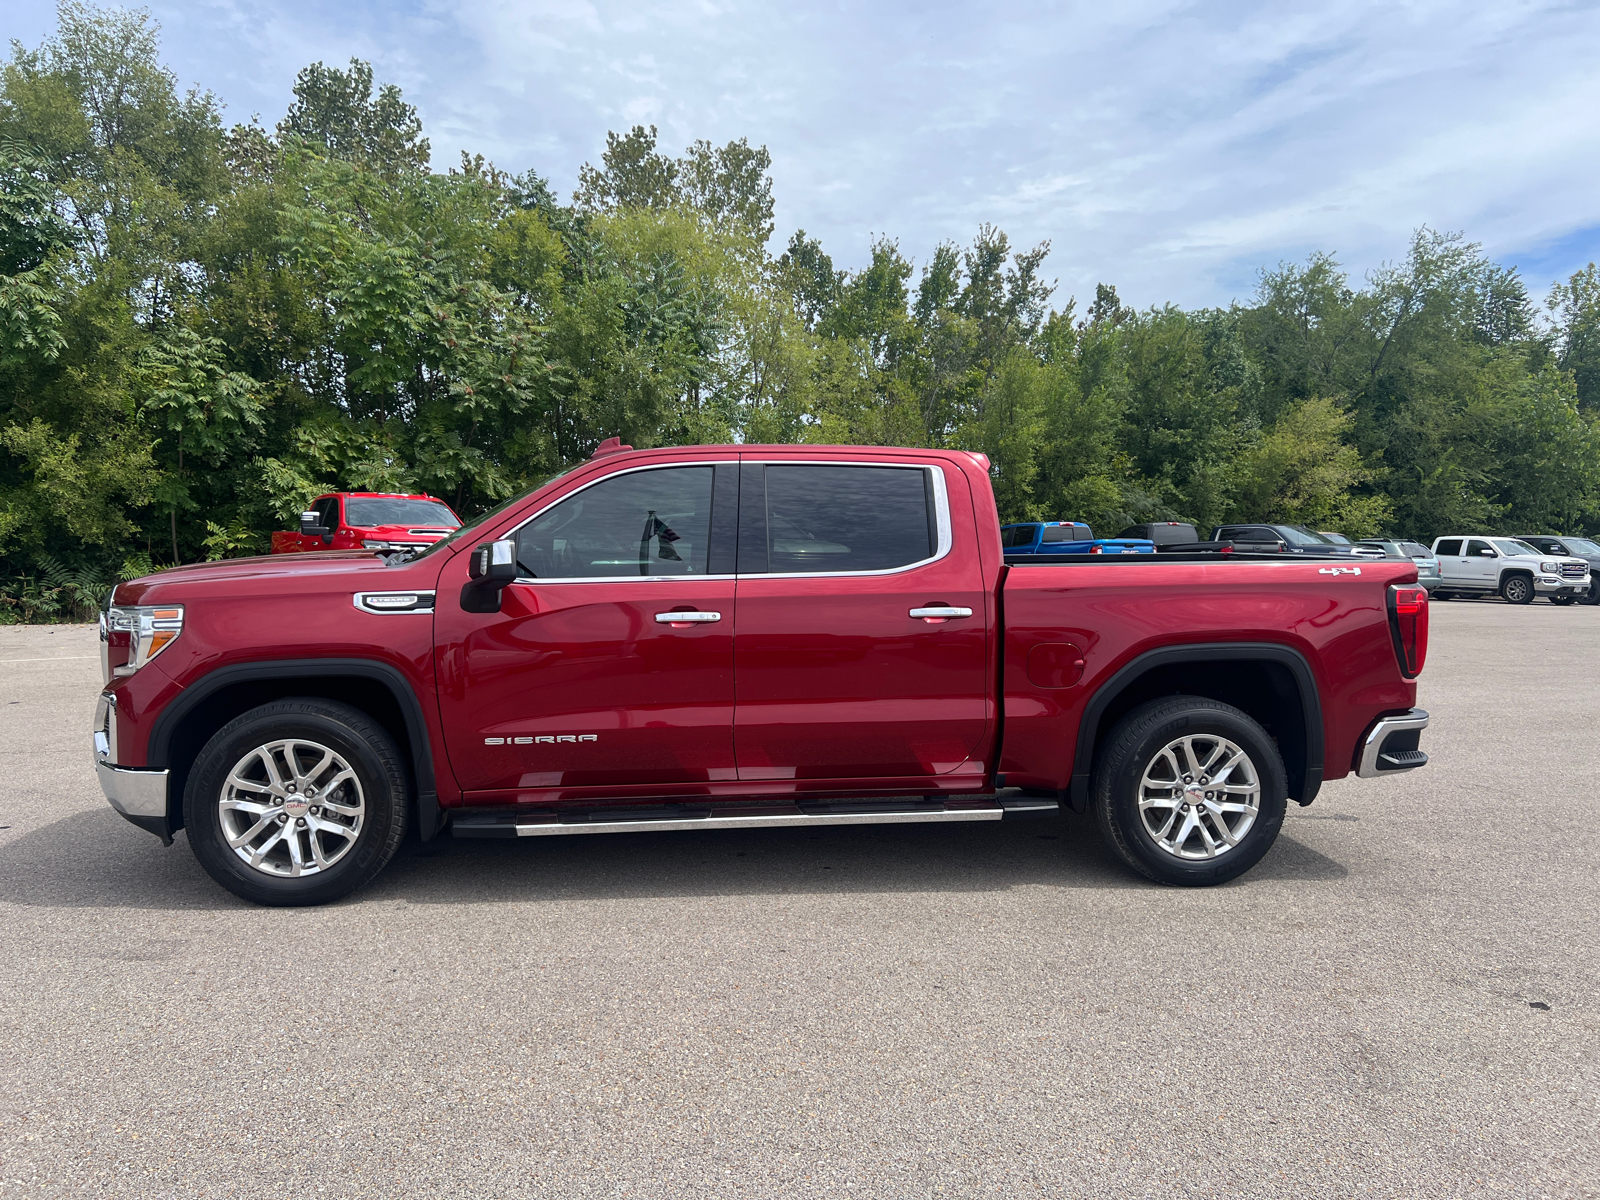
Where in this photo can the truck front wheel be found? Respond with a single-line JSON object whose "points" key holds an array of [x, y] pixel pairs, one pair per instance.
{"points": [[1517, 589], [296, 802], [1190, 791]]}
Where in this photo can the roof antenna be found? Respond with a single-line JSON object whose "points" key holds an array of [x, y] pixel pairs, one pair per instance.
{"points": [[612, 445]]}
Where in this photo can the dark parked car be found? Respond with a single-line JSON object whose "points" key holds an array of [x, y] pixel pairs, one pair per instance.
{"points": [[1572, 547], [1288, 539]]}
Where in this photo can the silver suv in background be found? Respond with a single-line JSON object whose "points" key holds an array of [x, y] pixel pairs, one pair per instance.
{"points": [[1488, 566], [1427, 562]]}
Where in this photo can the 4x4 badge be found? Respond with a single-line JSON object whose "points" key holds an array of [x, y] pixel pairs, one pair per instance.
{"points": [[1338, 570]]}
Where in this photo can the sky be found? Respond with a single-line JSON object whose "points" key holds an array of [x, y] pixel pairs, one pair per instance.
{"points": [[1171, 149]]}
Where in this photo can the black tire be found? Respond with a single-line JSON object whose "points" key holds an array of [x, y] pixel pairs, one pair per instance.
{"points": [[1517, 589], [1593, 595], [1134, 747], [1562, 600], [379, 807]]}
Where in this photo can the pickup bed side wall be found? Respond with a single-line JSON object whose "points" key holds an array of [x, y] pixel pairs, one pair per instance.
{"points": [[1111, 615]]}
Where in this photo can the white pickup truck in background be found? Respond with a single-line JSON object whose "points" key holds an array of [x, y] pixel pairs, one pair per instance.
{"points": [[1489, 566]]}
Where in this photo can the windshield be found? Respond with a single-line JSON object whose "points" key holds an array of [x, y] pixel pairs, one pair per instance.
{"points": [[466, 531], [1415, 550], [395, 510], [1582, 546], [1511, 546], [1297, 536]]}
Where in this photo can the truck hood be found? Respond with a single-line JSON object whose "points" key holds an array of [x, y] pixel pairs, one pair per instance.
{"points": [[329, 570]]}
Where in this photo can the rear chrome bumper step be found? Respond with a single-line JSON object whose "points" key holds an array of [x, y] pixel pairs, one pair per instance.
{"points": [[1390, 747], [548, 824]]}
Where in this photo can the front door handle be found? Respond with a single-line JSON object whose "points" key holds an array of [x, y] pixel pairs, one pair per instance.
{"points": [[687, 618], [940, 613]]}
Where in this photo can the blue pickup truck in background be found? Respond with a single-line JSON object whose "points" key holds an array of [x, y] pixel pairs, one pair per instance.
{"points": [[1066, 537]]}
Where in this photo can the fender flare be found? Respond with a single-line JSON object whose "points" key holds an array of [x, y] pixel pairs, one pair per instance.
{"points": [[1299, 669], [389, 677]]}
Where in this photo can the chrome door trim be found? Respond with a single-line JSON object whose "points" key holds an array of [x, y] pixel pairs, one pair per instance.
{"points": [[941, 506], [941, 516], [941, 612], [697, 618]]}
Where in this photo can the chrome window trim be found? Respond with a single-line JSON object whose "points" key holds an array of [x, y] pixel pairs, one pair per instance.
{"points": [[941, 505]]}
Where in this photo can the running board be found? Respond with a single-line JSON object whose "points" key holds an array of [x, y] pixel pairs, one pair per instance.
{"points": [[549, 824]]}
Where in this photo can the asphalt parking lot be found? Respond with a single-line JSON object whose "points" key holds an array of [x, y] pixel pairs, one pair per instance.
{"points": [[1403, 999]]}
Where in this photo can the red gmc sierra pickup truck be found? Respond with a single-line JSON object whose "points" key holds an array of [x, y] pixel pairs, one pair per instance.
{"points": [[721, 637]]}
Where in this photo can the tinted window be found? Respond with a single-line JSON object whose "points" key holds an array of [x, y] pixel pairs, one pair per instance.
{"points": [[1013, 536], [827, 518], [1476, 548], [1449, 546], [390, 510], [1415, 550], [641, 523], [1066, 533], [327, 510], [1298, 535], [1164, 534]]}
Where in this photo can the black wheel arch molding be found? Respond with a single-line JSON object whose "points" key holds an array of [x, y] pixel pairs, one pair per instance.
{"points": [[171, 718], [1305, 775]]}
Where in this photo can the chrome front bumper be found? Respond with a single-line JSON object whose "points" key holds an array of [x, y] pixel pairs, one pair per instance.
{"points": [[136, 793], [1390, 747]]}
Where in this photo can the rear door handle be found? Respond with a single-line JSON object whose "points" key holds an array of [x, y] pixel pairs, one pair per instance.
{"points": [[934, 612], [687, 618]]}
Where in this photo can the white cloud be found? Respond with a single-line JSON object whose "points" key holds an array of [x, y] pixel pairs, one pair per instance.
{"points": [[1168, 147]]}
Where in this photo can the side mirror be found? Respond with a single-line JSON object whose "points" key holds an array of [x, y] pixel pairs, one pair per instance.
{"points": [[311, 525], [491, 566], [1488, 554]]}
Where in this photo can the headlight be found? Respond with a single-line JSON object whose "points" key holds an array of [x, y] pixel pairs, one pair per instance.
{"points": [[371, 545], [1550, 568], [136, 633]]}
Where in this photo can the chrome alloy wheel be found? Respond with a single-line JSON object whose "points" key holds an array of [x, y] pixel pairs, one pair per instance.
{"points": [[1199, 796], [291, 808]]}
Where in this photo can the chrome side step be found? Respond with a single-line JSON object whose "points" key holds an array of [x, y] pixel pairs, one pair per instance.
{"points": [[550, 824]]}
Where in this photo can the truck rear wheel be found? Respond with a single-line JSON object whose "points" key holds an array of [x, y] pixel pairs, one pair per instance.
{"points": [[1518, 589], [296, 802], [1190, 791]]}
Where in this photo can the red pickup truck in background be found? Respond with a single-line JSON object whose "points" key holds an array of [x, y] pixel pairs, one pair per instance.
{"points": [[380, 521], [715, 637]]}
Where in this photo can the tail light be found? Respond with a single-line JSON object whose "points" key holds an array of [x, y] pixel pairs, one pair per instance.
{"points": [[1408, 623]]}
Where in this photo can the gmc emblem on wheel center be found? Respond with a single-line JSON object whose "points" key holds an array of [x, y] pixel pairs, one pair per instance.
{"points": [[550, 738]]}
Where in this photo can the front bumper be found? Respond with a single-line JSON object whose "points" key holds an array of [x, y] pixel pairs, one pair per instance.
{"points": [[1390, 747], [1551, 586], [138, 794]]}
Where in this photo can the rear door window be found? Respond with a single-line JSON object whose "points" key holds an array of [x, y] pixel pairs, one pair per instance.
{"points": [[1450, 548], [828, 519], [1014, 536]]}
